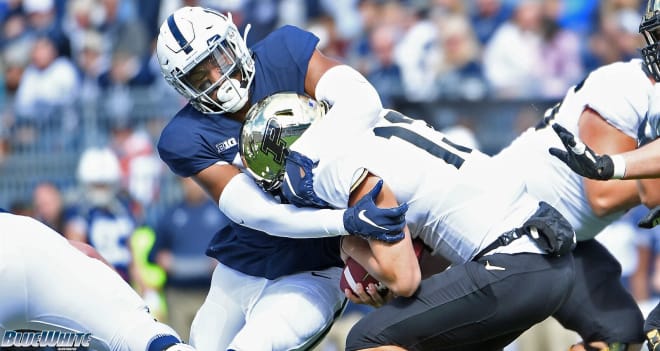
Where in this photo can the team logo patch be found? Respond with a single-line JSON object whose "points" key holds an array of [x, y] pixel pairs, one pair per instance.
{"points": [[226, 145], [47, 338]]}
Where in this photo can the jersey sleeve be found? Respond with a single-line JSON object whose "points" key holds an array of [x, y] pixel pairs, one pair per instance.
{"points": [[187, 148], [295, 43], [619, 93]]}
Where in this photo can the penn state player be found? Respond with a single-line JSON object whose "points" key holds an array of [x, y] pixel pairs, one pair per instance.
{"points": [[275, 287], [101, 217], [504, 246], [48, 284]]}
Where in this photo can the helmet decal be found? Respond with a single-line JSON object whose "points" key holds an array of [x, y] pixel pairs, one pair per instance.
{"points": [[183, 43], [272, 142]]}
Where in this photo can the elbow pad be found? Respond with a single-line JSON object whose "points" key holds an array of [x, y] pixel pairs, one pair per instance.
{"points": [[355, 108]]}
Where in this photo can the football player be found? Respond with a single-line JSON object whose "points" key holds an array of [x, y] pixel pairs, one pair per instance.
{"points": [[275, 287], [606, 110], [102, 218], [601, 161], [50, 285], [503, 244]]}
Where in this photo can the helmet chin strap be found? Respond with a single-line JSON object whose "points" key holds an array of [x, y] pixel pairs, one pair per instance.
{"points": [[232, 96]]}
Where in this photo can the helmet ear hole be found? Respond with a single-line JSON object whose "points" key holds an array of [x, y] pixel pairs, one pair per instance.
{"points": [[272, 125]]}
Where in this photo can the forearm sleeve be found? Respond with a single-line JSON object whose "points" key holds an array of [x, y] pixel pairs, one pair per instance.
{"points": [[355, 107], [243, 202]]}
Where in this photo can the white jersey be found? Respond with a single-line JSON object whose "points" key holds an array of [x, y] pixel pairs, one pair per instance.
{"points": [[619, 92], [455, 207]]}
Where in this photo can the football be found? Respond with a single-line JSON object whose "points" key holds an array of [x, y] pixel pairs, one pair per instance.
{"points": [[354, 273]]}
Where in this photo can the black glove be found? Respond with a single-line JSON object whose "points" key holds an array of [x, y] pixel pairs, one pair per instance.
{"points": [[368, 221], [651, 219], [580, 158]]}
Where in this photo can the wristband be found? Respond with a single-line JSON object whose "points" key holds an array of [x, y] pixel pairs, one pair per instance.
{"points": [[619, 164]]}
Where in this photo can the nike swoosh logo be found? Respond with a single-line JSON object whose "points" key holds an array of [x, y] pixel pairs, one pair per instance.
{"points": [[364, 218], [490, 267], [287, 181], [317, 274]]}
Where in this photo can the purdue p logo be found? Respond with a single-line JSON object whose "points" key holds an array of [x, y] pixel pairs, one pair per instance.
{"points": [[272, 141]]}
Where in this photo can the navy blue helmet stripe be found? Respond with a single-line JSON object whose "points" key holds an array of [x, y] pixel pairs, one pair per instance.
{"points": [[183, 43]]}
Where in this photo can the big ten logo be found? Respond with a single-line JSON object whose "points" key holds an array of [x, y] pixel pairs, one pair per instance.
{"points": [[225, 145]]}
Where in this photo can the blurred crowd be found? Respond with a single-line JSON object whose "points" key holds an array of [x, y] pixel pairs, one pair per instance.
{"points": [[58, 54], [64, 61]]}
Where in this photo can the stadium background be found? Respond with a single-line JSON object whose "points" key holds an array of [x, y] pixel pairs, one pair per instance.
{"points": [[483, 70]]}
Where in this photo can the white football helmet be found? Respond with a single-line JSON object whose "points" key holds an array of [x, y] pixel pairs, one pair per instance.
{"points": [[203, 56], [100, 175]]}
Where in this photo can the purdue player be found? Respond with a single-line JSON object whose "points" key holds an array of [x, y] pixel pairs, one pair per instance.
{"points": [[498, 238], [275, 287], [602, 163], [49, 285], [607, 110]]}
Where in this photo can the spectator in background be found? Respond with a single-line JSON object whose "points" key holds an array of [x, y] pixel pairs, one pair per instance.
{"points": [[45, 96], [383, 72], [42, 21], [560, 51], [487, 16], [460, 74], [48, 206], [90, 62], [417, 53], [140, 166], [182, 235], [512, 58], [616, 37]]}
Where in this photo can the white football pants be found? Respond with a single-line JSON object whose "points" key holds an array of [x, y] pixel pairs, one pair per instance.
{"points": [[247, 313]]}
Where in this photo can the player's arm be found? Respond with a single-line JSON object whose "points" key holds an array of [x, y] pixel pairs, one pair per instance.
{"points": [[243, 202], [643, 162], [615, 195], [355, 104], [393, 264], [649, 191], [602, 138]]}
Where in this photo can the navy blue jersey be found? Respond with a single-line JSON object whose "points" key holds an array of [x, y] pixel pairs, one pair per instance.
{"points": [[193, 141]]}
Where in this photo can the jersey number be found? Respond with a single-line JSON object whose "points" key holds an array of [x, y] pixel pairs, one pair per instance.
{"points": [[419, 141]]}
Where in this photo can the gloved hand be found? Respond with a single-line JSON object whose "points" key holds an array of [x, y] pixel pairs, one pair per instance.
{"points": [[651, 219], [368, 221], [580, 158], [297, 188]]}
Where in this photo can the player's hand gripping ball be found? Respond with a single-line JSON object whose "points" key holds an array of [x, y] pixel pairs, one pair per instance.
{"points": [[354, 273]]}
